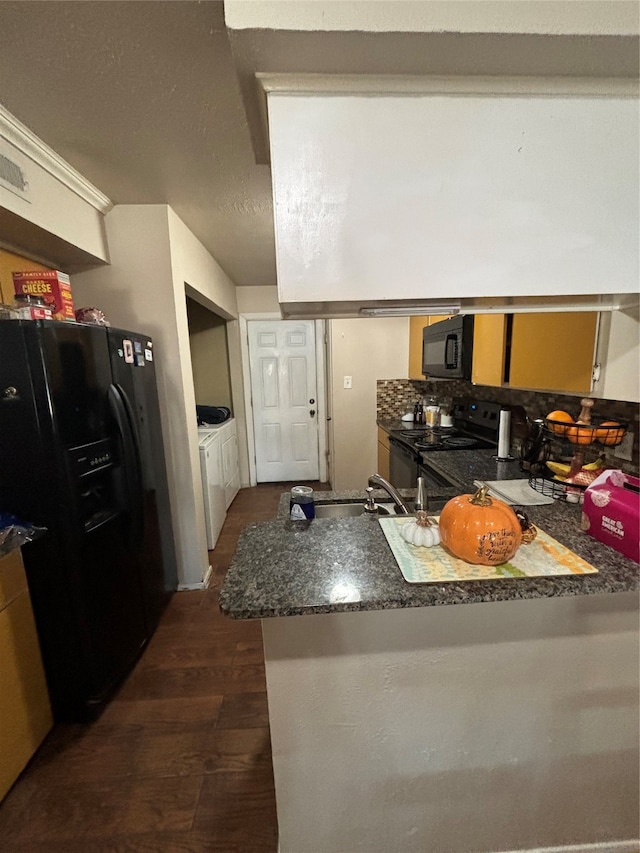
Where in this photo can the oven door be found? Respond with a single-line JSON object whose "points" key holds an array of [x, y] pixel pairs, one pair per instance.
{"points": [[403, 465], [434, 480]]}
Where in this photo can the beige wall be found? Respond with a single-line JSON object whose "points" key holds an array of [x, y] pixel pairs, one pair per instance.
{"points": [[257, 300], [539, 16], [367, 350], [154, 260], [209, 356], [509, 725]]}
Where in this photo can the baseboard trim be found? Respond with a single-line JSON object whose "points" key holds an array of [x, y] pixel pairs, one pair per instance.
{"points": [[204, 583], [632, 846]]}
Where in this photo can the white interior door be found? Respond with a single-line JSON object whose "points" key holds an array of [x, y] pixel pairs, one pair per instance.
{"points": [[282, 358]]}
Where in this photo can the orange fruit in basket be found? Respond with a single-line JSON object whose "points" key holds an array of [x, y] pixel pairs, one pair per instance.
{"points": [[612, 435], [559, 415], [581, 434]]}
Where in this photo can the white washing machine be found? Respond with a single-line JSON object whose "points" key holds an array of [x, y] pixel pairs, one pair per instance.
{"points": [[213, 485]]}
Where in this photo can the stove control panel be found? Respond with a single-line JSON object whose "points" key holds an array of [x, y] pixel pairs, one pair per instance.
{"points": [[475, 413]]}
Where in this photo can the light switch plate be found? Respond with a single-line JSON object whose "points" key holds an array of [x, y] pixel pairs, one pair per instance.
{"points": [[347, 382]]}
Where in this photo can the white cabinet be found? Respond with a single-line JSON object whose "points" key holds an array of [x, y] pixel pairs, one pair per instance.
{"points": [[230, 467], [211, 469], [220, 474], [449, 198], [619, 356]]}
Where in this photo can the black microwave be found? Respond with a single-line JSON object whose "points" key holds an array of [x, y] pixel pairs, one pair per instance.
{"points": [[447, 348]]}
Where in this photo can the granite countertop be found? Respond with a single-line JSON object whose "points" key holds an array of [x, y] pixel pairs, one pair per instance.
{"points": [[285, 568], [465, 466]]}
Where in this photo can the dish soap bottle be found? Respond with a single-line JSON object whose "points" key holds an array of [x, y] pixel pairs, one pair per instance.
{"points": [[417, 413]]}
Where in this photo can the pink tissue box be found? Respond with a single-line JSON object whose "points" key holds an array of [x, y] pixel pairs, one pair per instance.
{"points": [[611, 512]]}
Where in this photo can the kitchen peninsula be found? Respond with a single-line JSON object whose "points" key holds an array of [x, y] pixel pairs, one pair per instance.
{"points": [[508, 721]]}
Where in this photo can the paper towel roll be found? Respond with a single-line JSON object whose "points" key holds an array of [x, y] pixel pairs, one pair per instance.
{"points": [[504, 434]]}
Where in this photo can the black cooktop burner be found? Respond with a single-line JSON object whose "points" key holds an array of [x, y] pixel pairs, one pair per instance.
{"points": [[454, 441], [444, 439], [441, 442], [475, 425]]}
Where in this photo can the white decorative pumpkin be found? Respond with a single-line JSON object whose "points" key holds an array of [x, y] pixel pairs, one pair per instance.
{"points": [[421, 532]]}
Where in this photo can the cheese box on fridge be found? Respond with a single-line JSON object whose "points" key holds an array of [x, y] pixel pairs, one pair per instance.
{"points": [[611, 512], [54, 286]]}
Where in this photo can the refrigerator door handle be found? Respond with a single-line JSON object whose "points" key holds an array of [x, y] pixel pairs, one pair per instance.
{"points": [[132, 463]]}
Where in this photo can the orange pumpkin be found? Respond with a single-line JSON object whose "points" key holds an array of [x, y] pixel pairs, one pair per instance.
{"points": [[479, 529]]}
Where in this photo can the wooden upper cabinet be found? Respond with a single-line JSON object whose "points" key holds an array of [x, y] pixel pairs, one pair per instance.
{"points": [[548, 351], [489, 349], [553, 351], [416, 325]]}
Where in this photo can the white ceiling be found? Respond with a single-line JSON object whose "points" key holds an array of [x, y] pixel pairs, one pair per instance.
{"points": [[142, 99], [149, 100]]}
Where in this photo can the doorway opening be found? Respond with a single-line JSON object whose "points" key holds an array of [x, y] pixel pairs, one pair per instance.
{"points": [[285, 392]]}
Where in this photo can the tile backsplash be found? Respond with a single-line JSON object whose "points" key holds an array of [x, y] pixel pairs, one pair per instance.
{"points": [[395, 397]]}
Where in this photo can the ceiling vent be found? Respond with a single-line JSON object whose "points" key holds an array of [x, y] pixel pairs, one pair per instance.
{"points": [[12, 176]]}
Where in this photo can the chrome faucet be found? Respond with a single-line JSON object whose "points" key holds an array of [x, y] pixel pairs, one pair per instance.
{"points": [[381, 483]]}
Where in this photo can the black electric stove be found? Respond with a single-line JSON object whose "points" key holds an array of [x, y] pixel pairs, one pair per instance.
{"points": [[475, 425], [441, 438]]}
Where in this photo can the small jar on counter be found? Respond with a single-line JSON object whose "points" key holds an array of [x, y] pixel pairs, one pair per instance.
{"points": [[26, 306], [301, 504], [432, 413]]}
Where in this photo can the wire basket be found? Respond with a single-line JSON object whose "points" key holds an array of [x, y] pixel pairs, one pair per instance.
{"points": [[606, 432], [556, 489]]}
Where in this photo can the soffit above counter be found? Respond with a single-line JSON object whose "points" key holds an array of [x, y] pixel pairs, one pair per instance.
{"points": [[456, 202], [479, 305], [48, 210]]}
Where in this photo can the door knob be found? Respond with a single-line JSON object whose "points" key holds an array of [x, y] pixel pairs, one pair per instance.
{"points": [[312, 412]]}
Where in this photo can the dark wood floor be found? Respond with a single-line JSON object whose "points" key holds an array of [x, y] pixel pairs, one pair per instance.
{"points": [[181, 758]]}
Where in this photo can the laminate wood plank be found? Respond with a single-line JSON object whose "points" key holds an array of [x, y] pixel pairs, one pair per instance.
{"points": [[165, 653], [151, 842], [102, 754], [239, 750], [186, 753], [162, 716], [239, 807], [243, 710], [99, 809], [249, 653], [194, 681]]}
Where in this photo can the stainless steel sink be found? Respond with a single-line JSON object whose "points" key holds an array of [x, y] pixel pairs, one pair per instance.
{"points": [[349, 510]]}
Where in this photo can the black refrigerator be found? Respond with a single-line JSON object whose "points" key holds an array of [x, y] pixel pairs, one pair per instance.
{"points": [[81, 454]]}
